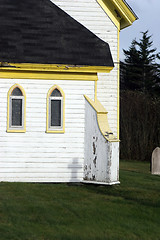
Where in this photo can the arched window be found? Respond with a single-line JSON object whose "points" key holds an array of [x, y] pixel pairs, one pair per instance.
{"points": [[16, 109], [55, 110]]}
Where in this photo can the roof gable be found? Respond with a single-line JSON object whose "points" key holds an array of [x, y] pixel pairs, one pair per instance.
{"points": [[34, 31]]}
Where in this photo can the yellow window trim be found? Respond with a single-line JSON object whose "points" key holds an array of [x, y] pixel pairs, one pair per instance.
{"points": [[51, 71], [48, 130], [119, 12], [8, 110]]}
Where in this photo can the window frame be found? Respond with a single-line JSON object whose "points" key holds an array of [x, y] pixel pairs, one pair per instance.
{"points": [[55, 129], [10, 127]]}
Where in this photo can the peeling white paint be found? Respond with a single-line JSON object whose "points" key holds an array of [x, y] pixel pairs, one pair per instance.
{"points": [[101, 162]]}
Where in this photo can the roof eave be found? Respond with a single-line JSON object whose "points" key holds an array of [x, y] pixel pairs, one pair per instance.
{"points": [[53, 67], [126, 13], [121, 12]]}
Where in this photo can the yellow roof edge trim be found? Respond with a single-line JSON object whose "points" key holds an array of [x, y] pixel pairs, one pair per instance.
{"points": [[119, 12], [53, 67], [106, 6], [102, 120]]}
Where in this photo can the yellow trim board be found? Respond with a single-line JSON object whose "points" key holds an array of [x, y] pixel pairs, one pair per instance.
{"points": [[125, 10], [48, 75], [54, 67], [118, 88], [8, 109], [102, 120], [98, 107], [119, 12], [48, 130], [51, 71]]}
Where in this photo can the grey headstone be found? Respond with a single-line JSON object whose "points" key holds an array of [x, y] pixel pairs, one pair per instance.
{"points": [[156, 161]]}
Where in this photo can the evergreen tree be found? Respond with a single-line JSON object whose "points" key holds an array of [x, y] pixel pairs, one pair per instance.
{"points": [[139, 71], [130, 68]]}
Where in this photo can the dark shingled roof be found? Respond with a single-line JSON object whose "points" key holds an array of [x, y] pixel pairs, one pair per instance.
{"points": [[37, 31]]}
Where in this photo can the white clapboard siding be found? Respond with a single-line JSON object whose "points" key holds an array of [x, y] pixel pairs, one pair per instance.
{"points": [[56, 151], [44, 179], [59, 165], [36, 155], [36, 141], [92, 16], [36, 175], [29, 135], [54, 170], [37, 129], [70, 155], [66, 145], [59, 162]]}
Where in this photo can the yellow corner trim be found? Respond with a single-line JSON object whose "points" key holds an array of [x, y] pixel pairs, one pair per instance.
{"points": [[102, 120], [48, 130], [118, 90], [8, 109]]}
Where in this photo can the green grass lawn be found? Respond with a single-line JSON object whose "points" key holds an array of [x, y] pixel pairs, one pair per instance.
{"points": [[129, 211]]}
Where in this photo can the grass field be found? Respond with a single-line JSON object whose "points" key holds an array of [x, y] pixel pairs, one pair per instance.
{"points": [[129, 211]]}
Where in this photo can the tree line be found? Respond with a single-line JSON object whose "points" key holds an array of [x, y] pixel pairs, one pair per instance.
{"points": [[140, 100]]}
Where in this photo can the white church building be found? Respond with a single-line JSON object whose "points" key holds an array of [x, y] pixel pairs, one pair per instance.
{"points": [[59, 89]]}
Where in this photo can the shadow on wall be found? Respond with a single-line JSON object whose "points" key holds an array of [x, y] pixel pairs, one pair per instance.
{"points": [[75, 169]]}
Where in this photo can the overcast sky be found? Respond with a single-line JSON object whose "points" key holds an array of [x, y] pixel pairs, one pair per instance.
{"points": [[148, 12]]}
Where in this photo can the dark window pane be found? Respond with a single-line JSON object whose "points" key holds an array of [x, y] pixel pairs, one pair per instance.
{"points": [[56, 93], [16, 112], [17, 92], [55, 113]]}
